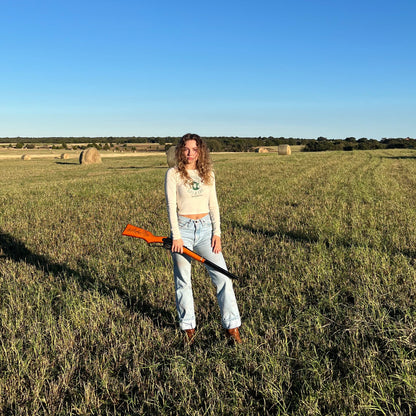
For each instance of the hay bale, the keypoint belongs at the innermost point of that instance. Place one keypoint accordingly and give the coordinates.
(170, 155)
(262, 150)
(89, 156)
(284, 149)
(64, 156)
(26, 157)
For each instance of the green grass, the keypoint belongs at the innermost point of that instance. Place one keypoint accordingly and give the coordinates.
(325, 247)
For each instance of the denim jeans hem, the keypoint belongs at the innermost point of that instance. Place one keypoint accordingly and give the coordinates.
(184, 326)
(233, 323)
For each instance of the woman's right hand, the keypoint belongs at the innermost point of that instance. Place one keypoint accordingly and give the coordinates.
(177, 246)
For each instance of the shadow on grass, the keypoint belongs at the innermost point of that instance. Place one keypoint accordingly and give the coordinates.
(399, 157)
(292, 235)
(310, 238)
(67, 163)
(14, 249)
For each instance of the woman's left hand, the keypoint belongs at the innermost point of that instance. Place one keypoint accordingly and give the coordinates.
(216, 244)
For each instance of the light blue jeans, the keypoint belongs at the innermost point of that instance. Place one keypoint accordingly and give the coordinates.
(196, 236)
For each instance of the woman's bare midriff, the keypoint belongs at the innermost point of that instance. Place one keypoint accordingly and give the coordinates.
(195, 216)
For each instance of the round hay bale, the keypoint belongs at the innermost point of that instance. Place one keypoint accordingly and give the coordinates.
(26, 157)
(64, 156)
(170, 155)
(284, 149)
(262, 150)
(89, 156)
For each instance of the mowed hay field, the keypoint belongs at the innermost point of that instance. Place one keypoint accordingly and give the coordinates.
(325, 248)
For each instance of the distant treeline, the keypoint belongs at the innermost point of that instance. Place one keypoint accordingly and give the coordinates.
(231, 144)
(351, 143)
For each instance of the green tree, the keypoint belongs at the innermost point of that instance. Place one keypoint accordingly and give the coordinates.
(214, 145)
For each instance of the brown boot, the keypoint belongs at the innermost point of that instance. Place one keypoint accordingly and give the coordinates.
(190, 336)
(233, 335)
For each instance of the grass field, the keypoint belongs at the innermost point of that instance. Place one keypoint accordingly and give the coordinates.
(325, 247)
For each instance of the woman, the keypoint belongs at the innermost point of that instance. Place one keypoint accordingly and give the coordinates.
(195, 223)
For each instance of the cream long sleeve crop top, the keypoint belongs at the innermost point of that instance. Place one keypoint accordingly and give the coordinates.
(185, 199)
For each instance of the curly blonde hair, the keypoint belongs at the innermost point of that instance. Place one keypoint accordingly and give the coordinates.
(203, 163)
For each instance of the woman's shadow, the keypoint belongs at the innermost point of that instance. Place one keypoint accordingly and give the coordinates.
(15, 250)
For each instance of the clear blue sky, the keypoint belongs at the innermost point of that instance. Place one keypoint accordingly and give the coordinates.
(230, 68)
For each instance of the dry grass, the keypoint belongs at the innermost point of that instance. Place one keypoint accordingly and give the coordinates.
(323, 243)
(7, 154)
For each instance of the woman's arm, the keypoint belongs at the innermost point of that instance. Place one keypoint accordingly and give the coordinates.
(214, 211)
(170, 194)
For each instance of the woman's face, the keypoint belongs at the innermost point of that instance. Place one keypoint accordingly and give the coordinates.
(191, 152)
